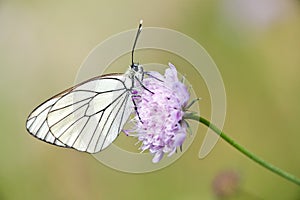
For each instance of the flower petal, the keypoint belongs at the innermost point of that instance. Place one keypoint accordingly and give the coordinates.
(171, 74)
(158, 156)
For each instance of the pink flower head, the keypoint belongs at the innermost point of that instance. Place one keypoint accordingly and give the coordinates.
(158, 123)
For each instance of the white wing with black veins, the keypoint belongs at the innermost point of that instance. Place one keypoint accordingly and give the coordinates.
(87, 117)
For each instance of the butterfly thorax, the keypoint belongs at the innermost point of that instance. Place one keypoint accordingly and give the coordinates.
(134, 76)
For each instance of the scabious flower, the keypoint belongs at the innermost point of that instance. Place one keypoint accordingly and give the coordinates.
(159, 123)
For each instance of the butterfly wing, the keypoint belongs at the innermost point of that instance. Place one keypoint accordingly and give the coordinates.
(37, 123)
(87, 117)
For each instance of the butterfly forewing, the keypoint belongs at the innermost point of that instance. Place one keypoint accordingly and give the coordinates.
(87, 117)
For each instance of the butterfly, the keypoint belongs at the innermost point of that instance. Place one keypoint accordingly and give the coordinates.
(89, 116)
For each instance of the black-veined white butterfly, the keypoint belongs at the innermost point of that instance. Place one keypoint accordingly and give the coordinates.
(89, 116)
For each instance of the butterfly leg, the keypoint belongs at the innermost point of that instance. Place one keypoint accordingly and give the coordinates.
(143, 86)
(135, 106)
(150, 75)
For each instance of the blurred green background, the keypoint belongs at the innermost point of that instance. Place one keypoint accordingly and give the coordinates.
(255, 44)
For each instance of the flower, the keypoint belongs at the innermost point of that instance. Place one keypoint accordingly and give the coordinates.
(159, 123)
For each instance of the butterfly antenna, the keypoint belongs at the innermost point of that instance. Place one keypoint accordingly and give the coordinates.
(136, 37)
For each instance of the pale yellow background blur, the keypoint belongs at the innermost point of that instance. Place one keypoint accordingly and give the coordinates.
(255, 44)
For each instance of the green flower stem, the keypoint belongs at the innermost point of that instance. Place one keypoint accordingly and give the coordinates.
(244, 151)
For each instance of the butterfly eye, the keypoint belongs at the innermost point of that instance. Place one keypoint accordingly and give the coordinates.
(135, 67)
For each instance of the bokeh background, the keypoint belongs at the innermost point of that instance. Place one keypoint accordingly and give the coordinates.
(255, 44)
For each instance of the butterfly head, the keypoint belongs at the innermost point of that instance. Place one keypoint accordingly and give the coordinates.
(137, 68)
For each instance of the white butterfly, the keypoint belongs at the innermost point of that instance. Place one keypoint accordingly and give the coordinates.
(89, 116)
